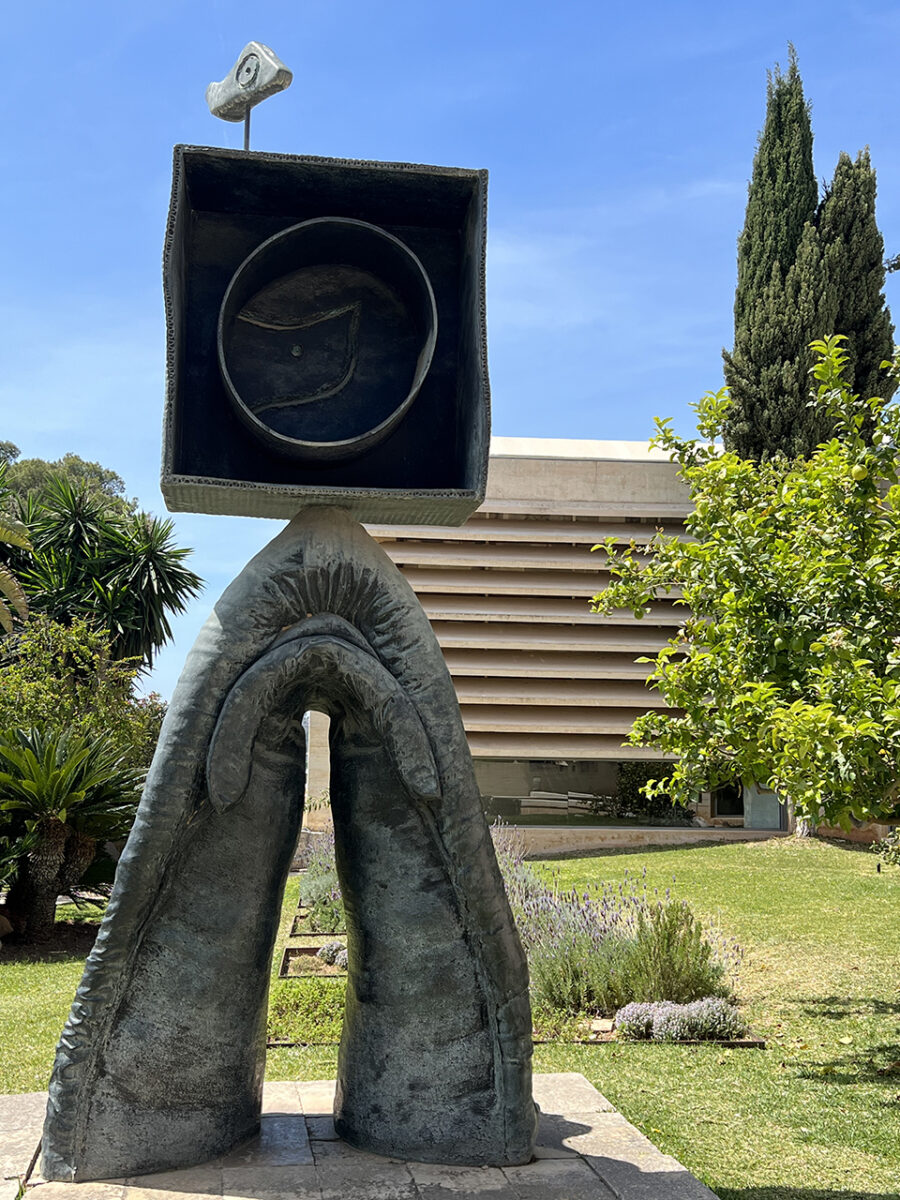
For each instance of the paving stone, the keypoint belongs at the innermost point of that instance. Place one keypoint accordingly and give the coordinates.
(281, 1096)
(602, 1025)
(326, 1151)
(321, 1129)
(190, 1183)
(553, 1129)
(567, 1092)
(586, 1151)
(317, 1098)
(606, 1133)
(106, 1190)
(460, 1183)
(21, 1122)
(269, 1183)
(554, 1152)
(661, 1178)
(24, 1108)
(364, 1178)
(16, 1149)
(558, 1179)
(629, 1162)
(282, 1141)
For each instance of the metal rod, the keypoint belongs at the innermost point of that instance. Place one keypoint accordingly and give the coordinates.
(247, 129)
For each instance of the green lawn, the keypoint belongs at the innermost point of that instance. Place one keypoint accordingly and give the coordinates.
(815, 1116)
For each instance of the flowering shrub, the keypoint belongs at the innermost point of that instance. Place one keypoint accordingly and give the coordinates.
(329, 951)
(599, 950)
(341, 959)
(320, 890)
(590, 952)
(708, 1019)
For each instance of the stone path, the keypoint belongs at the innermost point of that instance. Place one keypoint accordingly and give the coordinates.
(587, 1151)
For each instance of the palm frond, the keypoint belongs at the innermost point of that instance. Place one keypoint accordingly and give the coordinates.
(13, 532)
(12, 590)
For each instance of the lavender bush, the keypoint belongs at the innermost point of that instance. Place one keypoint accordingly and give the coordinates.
(329, 951)
(320, 890)
(601, 949)
(710, 1018)
(595, 951)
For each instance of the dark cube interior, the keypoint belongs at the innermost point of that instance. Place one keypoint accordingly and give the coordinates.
(432, 467)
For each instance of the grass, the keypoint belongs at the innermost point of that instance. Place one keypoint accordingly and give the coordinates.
(36, 990)
(815, 1116)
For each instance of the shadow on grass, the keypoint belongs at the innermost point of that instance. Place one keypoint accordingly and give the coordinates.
(836, 1008)
(610, 851)
(71, 940)
(869, 1064)
(619, 851)
(864, 1063)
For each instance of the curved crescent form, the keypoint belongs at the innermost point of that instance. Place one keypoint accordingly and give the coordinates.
(161, 1061)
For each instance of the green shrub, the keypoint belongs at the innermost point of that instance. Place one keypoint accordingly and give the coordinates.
(708, 1019)
(670, 958)
(320, 889)
(597, 951)
(888, 849)
(306, 1010)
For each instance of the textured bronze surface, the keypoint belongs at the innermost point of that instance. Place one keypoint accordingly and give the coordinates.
(393, 432)
(325, 336)
(161, 1062)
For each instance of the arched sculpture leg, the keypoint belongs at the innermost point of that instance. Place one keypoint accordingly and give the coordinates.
(161, 1061)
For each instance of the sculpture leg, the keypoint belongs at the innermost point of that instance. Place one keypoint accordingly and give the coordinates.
(418, 1061)
(160, 1063)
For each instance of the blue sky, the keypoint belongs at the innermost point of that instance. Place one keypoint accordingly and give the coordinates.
(619, 139)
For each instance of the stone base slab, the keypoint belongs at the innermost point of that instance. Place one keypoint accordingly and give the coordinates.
(586, 1151)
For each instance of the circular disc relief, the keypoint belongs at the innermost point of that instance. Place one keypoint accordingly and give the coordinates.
(325, 336)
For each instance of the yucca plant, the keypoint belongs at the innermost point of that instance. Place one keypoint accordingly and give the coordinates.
(67, 794)
(123, 573)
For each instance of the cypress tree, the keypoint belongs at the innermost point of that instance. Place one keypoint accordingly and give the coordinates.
(782, 195)
(853, 274)
(805, 270)
(766, 371)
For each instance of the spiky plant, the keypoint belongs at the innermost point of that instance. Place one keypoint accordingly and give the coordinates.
(68, 794)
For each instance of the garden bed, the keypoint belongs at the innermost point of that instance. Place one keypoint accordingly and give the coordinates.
(303, 960)
(301, 927)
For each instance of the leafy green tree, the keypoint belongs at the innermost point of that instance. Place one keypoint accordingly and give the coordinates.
(30, 477)
(120, 571)
(803, 266)
(67, 792)
(65, 676)
(786, 669)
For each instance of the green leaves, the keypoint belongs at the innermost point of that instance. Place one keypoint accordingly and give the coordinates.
(12, 533)
(119, 570)
(58, 776)
(804, 265)
(787, 670)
